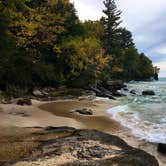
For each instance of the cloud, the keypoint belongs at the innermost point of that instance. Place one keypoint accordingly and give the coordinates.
(162, 50)
(138, 13)
(89, 9)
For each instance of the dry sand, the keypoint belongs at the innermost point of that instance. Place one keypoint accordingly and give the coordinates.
(58, 113)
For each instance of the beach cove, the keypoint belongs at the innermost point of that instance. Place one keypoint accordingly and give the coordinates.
(21, 122)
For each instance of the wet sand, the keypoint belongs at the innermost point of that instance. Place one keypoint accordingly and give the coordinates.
(100, 120)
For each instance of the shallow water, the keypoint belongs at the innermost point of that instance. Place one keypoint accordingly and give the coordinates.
(145, 116)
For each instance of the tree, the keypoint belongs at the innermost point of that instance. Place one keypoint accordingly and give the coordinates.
(93, 29)
(124, 38)
(7, 47)
(131, 63)
(72, 23)
(145, 66)
(111, 21)
(84, 61)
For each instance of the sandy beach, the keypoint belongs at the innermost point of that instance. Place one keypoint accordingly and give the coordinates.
(58, 113)
(17, 123)
(20, 122)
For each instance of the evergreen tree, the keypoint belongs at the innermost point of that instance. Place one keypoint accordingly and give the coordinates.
(111, 21)
(124, 38)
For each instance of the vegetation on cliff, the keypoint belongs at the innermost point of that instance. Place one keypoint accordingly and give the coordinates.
(43, 43)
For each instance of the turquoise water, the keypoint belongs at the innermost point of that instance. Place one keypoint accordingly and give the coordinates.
(145, 116)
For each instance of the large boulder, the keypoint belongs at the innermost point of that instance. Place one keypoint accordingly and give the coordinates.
(94, 148)
(148, 93)
(102, 92)
(71, 147)
(115, 85)
(162, 148)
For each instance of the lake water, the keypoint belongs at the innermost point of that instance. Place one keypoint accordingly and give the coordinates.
(145, 116)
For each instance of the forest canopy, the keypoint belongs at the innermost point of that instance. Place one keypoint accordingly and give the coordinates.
(43, 43)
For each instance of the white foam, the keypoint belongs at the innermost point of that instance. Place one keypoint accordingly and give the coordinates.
(143, 129)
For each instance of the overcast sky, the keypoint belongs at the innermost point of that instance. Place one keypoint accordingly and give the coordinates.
(144, 18)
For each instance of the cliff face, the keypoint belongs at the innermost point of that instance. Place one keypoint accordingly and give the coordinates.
(87, 147)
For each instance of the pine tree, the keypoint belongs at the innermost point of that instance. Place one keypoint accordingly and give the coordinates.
(111, 22)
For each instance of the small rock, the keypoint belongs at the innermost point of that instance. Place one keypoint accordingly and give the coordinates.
(37, 93)
(133, 92)
(90, 97)
(148, 93)
(6, 101)
(118, 94)
(162, 148)
(125, 89)
(84, 111)
(24, 102)
(22, 114)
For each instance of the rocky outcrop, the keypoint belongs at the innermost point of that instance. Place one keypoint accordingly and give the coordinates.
(86, 148)
(118, 94)
(91, 147)
(148, 93)
(109, 89)
(102, 93)
(114, 85)
(162, 148)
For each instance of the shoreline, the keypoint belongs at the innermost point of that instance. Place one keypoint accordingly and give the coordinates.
(60, 113)
(100, 122)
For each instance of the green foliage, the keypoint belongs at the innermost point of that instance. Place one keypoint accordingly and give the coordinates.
(131, 63)
(43, 43)
(146, 67)
(6, 47)
(93, 29)
(124, 38)
(84, 60)
(111, 22)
